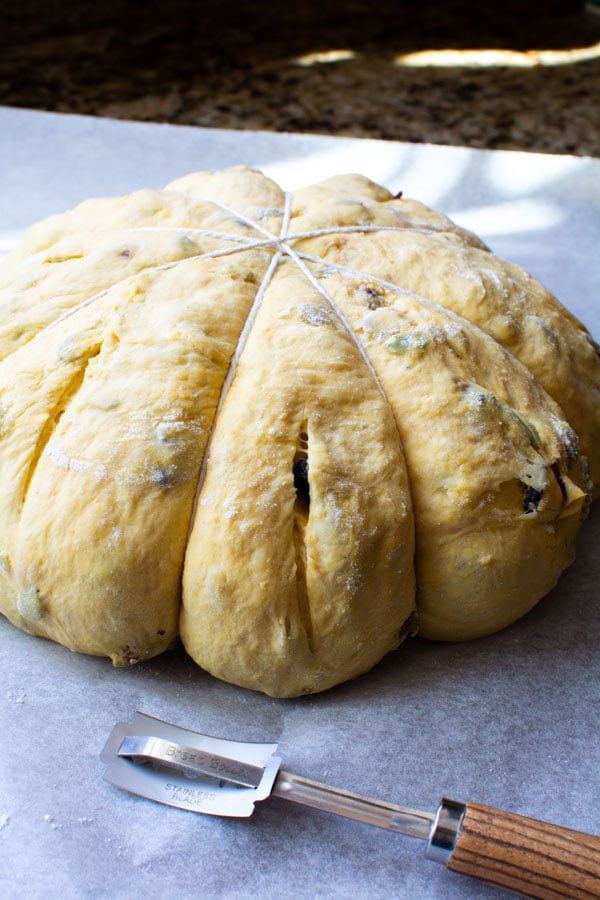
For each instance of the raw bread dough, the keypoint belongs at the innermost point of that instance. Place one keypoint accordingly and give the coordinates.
(254, 420)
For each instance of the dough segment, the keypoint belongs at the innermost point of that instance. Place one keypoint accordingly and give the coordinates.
(244, 615)
(99, 536)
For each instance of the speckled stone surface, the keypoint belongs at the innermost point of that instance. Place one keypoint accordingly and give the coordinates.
(326, 68)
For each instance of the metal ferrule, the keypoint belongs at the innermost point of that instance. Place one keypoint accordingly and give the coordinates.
(445, 830)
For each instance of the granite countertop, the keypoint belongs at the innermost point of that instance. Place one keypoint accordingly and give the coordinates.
(409, 73)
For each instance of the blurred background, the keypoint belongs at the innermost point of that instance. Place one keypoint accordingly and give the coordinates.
(508, 75)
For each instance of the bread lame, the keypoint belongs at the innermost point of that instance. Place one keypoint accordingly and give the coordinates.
(215, 776)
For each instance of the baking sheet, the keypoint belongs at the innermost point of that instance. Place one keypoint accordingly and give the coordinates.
(510, 720)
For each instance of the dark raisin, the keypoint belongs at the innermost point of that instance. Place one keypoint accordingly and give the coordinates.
(301, 480)
(531, 498)
(374, 297)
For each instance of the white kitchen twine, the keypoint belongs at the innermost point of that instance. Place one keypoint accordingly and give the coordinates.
(282, 248)
(280, 243)
(242, 339)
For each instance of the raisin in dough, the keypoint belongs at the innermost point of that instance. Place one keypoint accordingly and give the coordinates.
(279, 451)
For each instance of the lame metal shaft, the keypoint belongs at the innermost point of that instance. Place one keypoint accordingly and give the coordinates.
(352, 806)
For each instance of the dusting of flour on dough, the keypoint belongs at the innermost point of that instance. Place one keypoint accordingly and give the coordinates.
(231, 509)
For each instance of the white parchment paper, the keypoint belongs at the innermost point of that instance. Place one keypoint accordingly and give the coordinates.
(511, 720)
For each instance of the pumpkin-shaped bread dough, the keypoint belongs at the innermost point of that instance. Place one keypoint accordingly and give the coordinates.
(290, 429)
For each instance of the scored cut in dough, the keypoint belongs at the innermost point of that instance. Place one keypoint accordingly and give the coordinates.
(276, 425)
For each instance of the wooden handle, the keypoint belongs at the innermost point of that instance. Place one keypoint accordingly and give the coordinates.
(525, 855)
